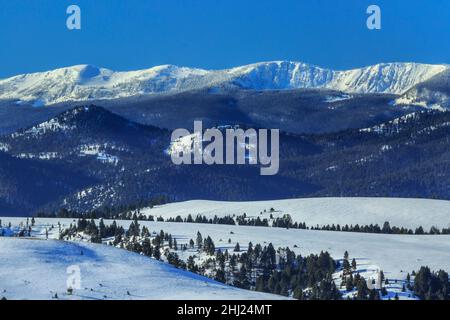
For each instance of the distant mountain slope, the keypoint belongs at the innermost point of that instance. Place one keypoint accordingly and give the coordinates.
(101, 159)
(128, 163)
(83, 131)
(86, 82)
(106, 273)
(15, 117)
(433, 93)
(297, 111)
(28, 183)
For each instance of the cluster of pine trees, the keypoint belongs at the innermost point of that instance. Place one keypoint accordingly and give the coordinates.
(353, 281)
(430, 285)
(259, 268)
(268, 270)
(90, 228)
(307, 278)
(228, 220)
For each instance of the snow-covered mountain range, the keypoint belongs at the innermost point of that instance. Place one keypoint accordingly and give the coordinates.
(87, 82)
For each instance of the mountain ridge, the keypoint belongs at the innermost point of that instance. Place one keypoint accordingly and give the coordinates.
(87, 82)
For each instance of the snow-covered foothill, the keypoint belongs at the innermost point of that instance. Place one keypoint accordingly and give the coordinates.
(42, 269)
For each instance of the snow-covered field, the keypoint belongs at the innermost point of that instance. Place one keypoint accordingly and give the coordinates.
(112, 272)
(395, 255)
(37, 269)
(409, 213)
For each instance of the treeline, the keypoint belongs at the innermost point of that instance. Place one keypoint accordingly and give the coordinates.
(287, 222)
(385, 229)
(228, 220)
(284, 221)
(120, 212)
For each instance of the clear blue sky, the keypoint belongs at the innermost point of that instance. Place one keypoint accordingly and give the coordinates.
(134, 34)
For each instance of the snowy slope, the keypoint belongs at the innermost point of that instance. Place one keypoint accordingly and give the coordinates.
(36, 269)
(433, 93)
(409, 213)
(380, 78)
(86, 82)
(396, 255)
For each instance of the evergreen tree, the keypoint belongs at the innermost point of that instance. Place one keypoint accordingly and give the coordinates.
(220, 276)
(349, 283)
(260, 285)
(354, 264)
(102, 228)
(363, 291)
(156, 252)
(386, 227)
(199, 240)
(345, 255)
(346, 266)
(374, 295)
(191, 266)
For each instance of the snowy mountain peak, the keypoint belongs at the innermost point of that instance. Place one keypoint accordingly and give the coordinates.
(88, 82)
